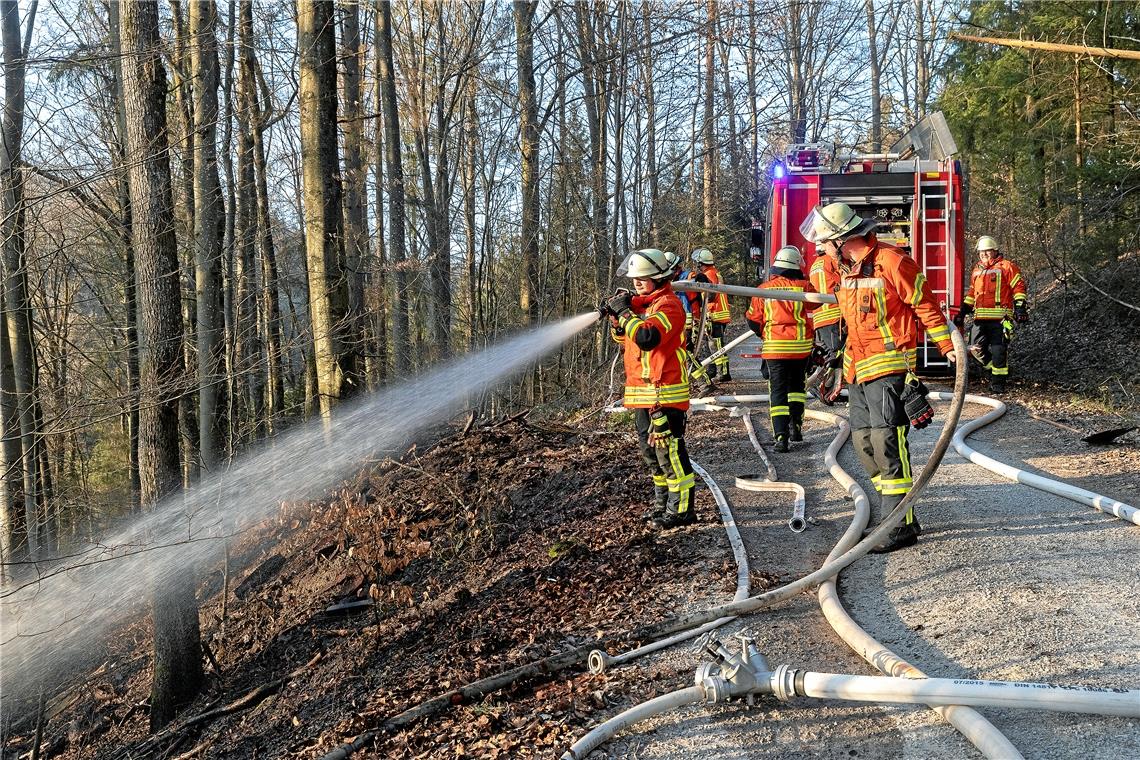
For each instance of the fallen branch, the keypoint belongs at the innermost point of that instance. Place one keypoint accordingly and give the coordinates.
(251, 698)
(475, 690)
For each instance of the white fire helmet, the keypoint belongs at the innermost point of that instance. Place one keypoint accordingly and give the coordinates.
(646, 262)
(835, 221)
(788, 257)
(674, 261)
(703, 256)
(987, 243)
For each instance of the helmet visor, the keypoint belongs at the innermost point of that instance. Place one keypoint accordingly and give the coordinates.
(817, 228)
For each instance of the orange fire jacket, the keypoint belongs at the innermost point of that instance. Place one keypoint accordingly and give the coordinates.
(824, 278)
(783, 325)
(994, 291)
(882, 298)
(658, 376)
(718, 304)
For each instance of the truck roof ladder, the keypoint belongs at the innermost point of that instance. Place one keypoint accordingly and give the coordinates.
(939, 249)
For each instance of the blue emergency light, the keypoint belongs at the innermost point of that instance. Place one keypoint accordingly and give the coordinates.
(778, 170)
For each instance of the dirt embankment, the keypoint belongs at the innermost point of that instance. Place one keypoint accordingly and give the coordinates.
(491, 549)
(1080, 341)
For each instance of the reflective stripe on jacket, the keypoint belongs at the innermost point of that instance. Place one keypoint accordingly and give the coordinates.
(659, 376)
(995, 290)
(881, 299)
(718, 302)
(783, 325)
(824, 277)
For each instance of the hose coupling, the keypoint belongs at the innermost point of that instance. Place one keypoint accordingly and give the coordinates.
(716, 690)
(784, 682)
(705, 670)
(598, 661)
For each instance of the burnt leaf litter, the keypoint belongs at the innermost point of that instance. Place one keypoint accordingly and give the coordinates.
(487, 550)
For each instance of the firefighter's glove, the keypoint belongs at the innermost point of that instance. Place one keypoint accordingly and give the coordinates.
(619, 304)
(914, 401)
(1020, 312)
(960, 318)
(659, 433)
(1007, 329)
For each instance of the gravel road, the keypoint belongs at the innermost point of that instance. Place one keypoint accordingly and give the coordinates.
(1007, 583)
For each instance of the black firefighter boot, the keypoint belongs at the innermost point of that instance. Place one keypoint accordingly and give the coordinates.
(903, 536)
(670, 519)
(660, 498)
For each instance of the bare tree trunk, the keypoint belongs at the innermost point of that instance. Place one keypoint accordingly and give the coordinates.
(380, 281)
(10, 518)
(355, 218)
(397, 236)
(208, 230)
(334, 347)
(470, 144)
(921, 60)
(876, 78)
(177, 648)
(269, 302)
(753, 107)
(228, 236)
(251, 365)
(122, 189)
(650, 121)
(528, 153)
(709, 162)
(593, 82)
(18, 308)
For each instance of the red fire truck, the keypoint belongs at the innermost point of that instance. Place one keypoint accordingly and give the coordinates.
(913, 191)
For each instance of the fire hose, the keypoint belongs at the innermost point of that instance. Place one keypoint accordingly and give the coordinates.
(1049, 485)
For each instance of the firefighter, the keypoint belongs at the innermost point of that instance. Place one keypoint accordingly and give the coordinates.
(997, 299)
(786, 331)
(882, 293)
(699, 374)
(718, 313)
(828, 325)
(650, 325)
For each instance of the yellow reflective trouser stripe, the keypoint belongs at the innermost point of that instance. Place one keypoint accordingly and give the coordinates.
(895, 486)
(780, 411)
(800, 397)
(683, 483)
(1000, 370)
(875, 482)
(660, 480)
(787, 345)
(939, 334)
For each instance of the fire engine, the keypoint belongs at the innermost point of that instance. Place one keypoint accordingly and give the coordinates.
(913, 191)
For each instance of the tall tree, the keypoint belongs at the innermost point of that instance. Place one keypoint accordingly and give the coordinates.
(17, 307)
(208, 230)
(528, 153)
(378, 273)
(708, 126)
(334, 347)
(177, 674)
(251, 368)
(355, 218)
(397, 220)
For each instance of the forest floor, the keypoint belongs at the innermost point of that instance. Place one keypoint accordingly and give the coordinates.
(499, 545)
